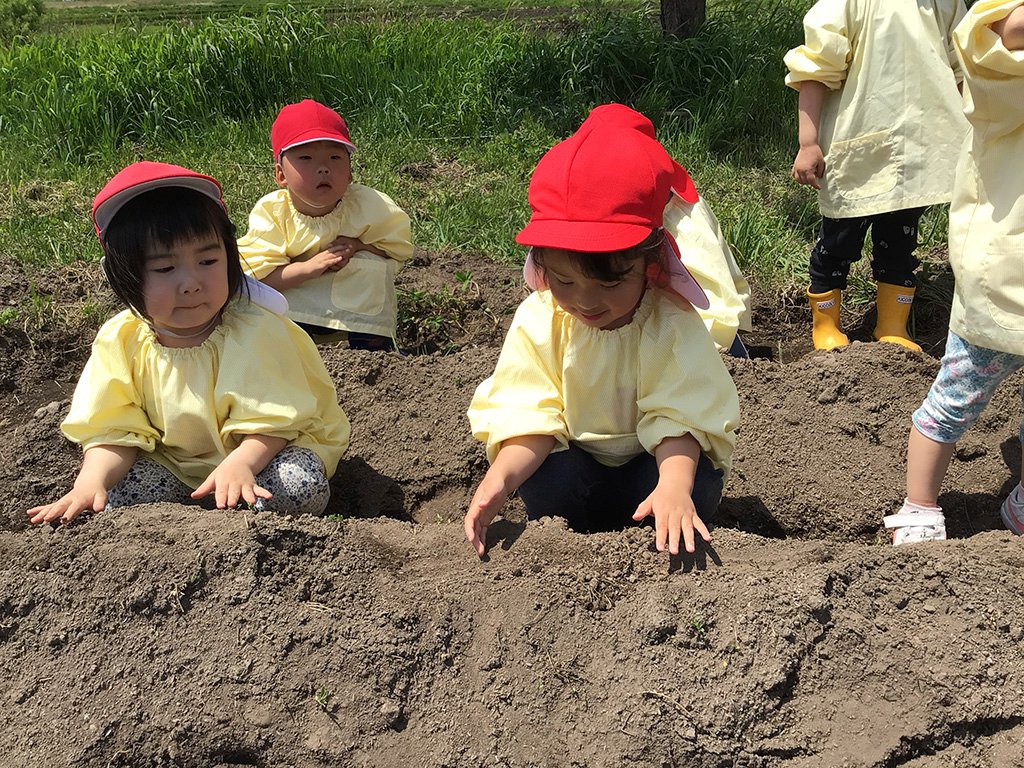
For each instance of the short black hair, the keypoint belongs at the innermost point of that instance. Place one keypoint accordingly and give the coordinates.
(613, 265)
(163, 217)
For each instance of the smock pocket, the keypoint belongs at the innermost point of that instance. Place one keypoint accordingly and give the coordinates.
(863, 167)
(362, 286)
(1002, 280)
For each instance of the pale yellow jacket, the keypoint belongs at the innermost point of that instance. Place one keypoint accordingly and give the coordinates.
(892, 122)
(358, 297)
(615, 393)
(986, 217)
(257, 373)
(709, 259)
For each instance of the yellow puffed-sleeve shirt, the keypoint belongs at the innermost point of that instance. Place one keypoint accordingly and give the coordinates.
(616, 393)
(358, 297)
(986, 217)
(257, 373)
(892, 123)
(709, 259)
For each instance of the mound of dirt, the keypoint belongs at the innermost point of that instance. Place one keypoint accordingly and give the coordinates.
(173, 636)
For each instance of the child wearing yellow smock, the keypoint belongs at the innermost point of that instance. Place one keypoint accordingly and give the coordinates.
(986, 250)
(195, 389)
(609, 402)
(331, 246)
(881, 124)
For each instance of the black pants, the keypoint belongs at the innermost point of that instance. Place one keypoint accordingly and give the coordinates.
(356, 340)
(592, 497)
(841, 241)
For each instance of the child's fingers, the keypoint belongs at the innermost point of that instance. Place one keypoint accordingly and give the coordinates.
(38, 514)
(661, 532)
(675, 527)
(204, 489)
(643, 510)
(687, 538)
(476, 534)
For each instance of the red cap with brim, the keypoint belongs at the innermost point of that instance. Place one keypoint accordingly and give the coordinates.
(605, 189)
(142, 177)
(306, 122)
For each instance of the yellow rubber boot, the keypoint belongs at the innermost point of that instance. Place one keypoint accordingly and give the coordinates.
(825, 314)
(893, 304)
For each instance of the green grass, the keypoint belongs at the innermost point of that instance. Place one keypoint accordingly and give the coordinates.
(90, 15)
(450, 114)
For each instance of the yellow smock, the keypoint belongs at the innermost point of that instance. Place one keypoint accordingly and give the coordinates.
(707, 256)
(257, 373)
(986, 217)
(892, 122)
(358, 297)
(614, 393)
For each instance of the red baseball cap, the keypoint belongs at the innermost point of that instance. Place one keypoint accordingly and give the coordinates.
(146, 176)
(143, 177)
(605, 189)
(305, 122)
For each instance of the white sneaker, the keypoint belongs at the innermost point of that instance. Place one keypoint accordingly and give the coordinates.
(914, 523)
(1012, 511)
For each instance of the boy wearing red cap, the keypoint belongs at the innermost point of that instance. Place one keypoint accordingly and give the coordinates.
(199, 386)
(333, 247)
(609, 402)
(880, 126)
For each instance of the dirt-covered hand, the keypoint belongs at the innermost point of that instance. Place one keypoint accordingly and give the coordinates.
(231, 482)
(674, 515)
(809, 166)
(70, 505)
(488, 500)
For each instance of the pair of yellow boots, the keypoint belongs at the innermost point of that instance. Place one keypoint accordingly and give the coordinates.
(893, 304)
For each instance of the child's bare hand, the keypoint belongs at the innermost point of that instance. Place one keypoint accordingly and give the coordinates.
(69, 506)
(332, 259)
(674, 516)
(352, 244)
(809, 166)
(231, 482)
(488, 500)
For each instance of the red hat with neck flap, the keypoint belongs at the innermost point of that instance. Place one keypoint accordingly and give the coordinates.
(605, 189)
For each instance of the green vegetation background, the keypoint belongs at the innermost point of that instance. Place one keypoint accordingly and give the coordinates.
(450, 105)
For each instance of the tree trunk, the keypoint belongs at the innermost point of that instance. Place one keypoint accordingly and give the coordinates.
(682, 18)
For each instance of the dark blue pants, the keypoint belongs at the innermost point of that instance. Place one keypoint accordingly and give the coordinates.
(592, 497)
(841, 242)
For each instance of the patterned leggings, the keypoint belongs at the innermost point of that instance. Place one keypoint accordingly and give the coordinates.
(296, 477)
(967, 379)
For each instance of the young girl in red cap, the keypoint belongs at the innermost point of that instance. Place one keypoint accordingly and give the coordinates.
(198, 387)
(609, 402)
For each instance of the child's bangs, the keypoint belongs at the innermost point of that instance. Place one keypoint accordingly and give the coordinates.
(188, 217)
(606, 267)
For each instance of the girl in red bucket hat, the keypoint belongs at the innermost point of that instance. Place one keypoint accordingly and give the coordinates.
(609, 402)
(194, 389)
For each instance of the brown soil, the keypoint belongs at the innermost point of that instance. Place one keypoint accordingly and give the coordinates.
(172, 636)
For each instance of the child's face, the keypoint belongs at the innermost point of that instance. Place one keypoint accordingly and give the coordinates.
(185, 286)
(597, 303)
(317, 175)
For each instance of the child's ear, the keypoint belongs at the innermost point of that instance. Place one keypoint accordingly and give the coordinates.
(279, 175)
